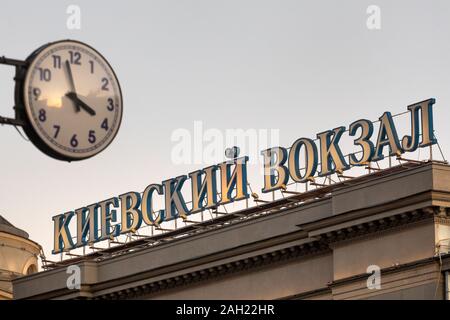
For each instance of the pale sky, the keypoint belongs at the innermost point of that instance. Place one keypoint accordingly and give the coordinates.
(298, 66)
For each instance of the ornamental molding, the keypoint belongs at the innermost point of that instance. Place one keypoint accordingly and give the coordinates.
(220, 271)
(377, 227)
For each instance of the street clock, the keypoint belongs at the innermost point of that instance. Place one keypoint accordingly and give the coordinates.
(68, 100)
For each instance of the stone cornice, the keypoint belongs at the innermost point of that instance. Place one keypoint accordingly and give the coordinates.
(222, 270)
(376, 226)
(309, 294)
(398, 205)
(385, 271)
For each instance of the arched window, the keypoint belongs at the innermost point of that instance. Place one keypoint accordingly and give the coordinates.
(32, 269)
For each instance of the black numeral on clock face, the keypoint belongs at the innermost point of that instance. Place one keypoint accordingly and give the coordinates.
(74, 141)
(92, 65)
(36, 93)
(57, 128)
(110, 106)
(45, 74)
(56, 61)
(105, 124)
(92, 138)
(42, 115)
(75, 57)
(105, 84)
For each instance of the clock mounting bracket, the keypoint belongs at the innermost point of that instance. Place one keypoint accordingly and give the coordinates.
(21, 67)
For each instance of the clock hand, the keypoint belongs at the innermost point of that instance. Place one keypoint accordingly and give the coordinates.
(71, 83)
(87, 108)
(73, 96)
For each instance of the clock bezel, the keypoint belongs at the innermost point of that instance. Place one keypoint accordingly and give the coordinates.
(23, 111)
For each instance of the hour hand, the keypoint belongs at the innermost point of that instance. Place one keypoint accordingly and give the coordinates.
(73, 96)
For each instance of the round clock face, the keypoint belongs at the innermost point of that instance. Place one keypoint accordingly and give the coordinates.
(72, 100)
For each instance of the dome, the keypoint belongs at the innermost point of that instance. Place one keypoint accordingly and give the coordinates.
(7, 227)
(18, 256)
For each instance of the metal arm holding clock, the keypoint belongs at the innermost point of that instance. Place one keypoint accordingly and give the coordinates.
(20, 67)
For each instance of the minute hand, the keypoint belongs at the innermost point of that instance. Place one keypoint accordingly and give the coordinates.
(71, 83)
(73, 96)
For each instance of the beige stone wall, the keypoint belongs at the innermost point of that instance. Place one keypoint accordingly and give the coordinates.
(272, 282)
(18, 257)
(386, 249)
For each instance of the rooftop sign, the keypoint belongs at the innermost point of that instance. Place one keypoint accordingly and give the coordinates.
(128, 212)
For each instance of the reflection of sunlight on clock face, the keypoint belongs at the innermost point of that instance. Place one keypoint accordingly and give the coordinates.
(54, 102)
(54, 97)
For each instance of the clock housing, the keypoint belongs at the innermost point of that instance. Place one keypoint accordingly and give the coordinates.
(69, 99)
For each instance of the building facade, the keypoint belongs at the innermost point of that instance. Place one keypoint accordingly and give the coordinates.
(327, 243)
(18, 256)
